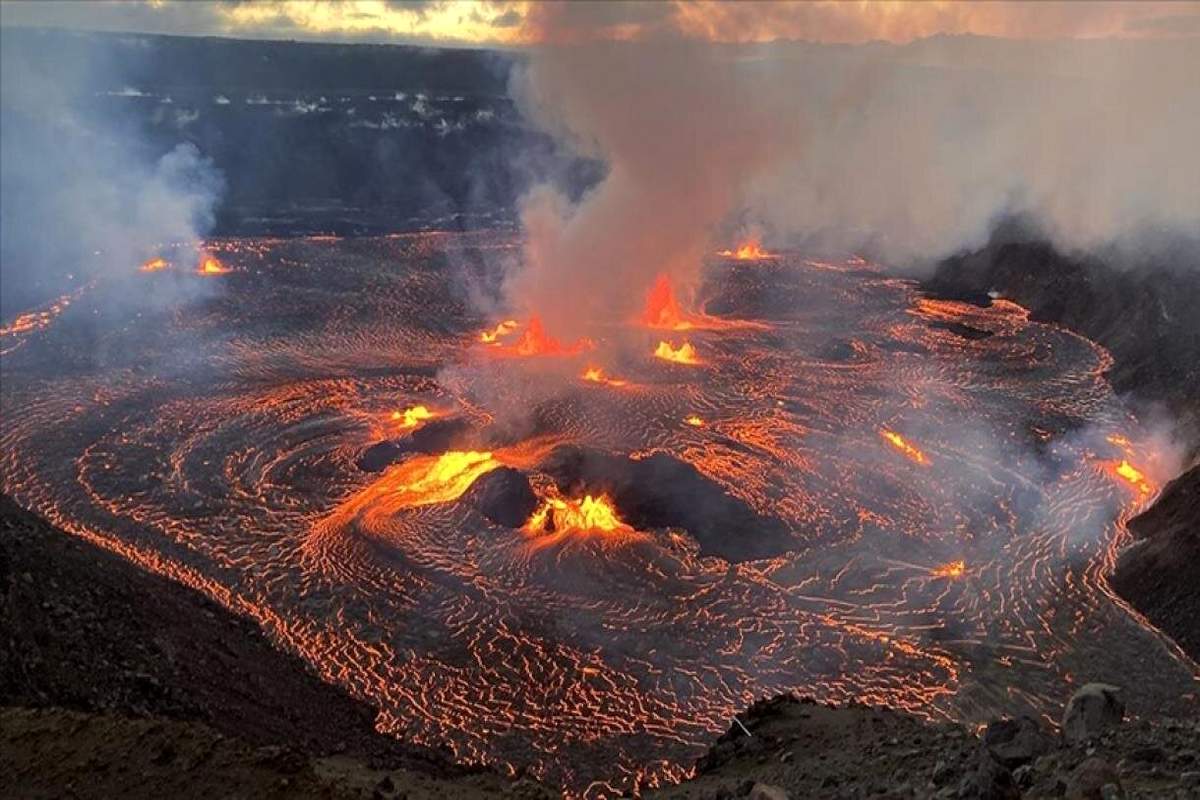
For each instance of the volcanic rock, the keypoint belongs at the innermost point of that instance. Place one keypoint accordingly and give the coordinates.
(987, 779)
(504, 496)
(1160, 573)
(1145, 317)
(379, 457)
(1090, 778)
(664, 492)
(765, 791)
(1094, 708)
(1014, 742)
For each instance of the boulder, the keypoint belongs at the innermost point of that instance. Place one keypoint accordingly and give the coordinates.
(1088, 780)
(987, 779)
(504, 496)
(1093, 709)
(1014, 742)
(765, 791)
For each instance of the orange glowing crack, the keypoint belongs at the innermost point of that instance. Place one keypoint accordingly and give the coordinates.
(154, 265)
(694, 421)
(910, 452)
(684, 354)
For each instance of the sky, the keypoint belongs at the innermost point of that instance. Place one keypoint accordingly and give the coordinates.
(501, 23)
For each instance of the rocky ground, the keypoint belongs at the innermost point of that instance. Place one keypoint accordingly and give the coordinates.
(1160, 574)
(799, 749)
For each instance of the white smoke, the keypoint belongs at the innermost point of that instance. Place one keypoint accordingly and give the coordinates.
(908, 153)
(84, 194)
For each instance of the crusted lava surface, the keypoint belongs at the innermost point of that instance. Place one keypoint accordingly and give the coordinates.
(843, 495)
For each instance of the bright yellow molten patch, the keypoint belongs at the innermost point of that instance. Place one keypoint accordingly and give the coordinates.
(560, 515)
(411, 417)
(910, 451)
(437, 479)
(684, 354)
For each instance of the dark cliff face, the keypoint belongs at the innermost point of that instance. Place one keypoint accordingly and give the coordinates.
(1147, 316)
(1160, 575)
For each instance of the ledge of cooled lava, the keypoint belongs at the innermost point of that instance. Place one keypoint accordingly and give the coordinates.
(1145, 315)
(800, 749)
(1160, 574)
(115, 682)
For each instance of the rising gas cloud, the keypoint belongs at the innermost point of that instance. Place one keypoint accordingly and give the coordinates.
(83, 192)
(906, 153)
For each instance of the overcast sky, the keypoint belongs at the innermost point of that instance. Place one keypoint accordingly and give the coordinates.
(519, 22)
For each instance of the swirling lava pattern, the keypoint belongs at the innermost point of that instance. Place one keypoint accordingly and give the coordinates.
(216, 442)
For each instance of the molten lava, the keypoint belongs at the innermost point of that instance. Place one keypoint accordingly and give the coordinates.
(211, 266)
(411, 417)
(596, 375)
(438, 479)
(897, 441)
(951, 569)
(684, 354)
(535, 341)
(501, 330)
(750, 251)
(154, 265)
(694, 421)
(590, 514)
(1132, 475)
(662, 310)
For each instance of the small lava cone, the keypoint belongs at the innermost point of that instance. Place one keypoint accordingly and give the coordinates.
(504, 496)
(664, 492)
(432, 438)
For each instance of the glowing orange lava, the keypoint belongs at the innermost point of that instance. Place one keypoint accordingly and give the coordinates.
(535, 341)
(154, 265)
(662, 310)
(438, 479)
(897, 441)
(211, 266)
(590, 514)
(411, 417)
(501, 330)
(596, 375)
(1132, 475)
(694, 421)
(750, 251)
(684, 354)
(951, 569)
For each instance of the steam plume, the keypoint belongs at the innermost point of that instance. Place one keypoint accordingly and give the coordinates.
(83, 195)
(906, 152)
